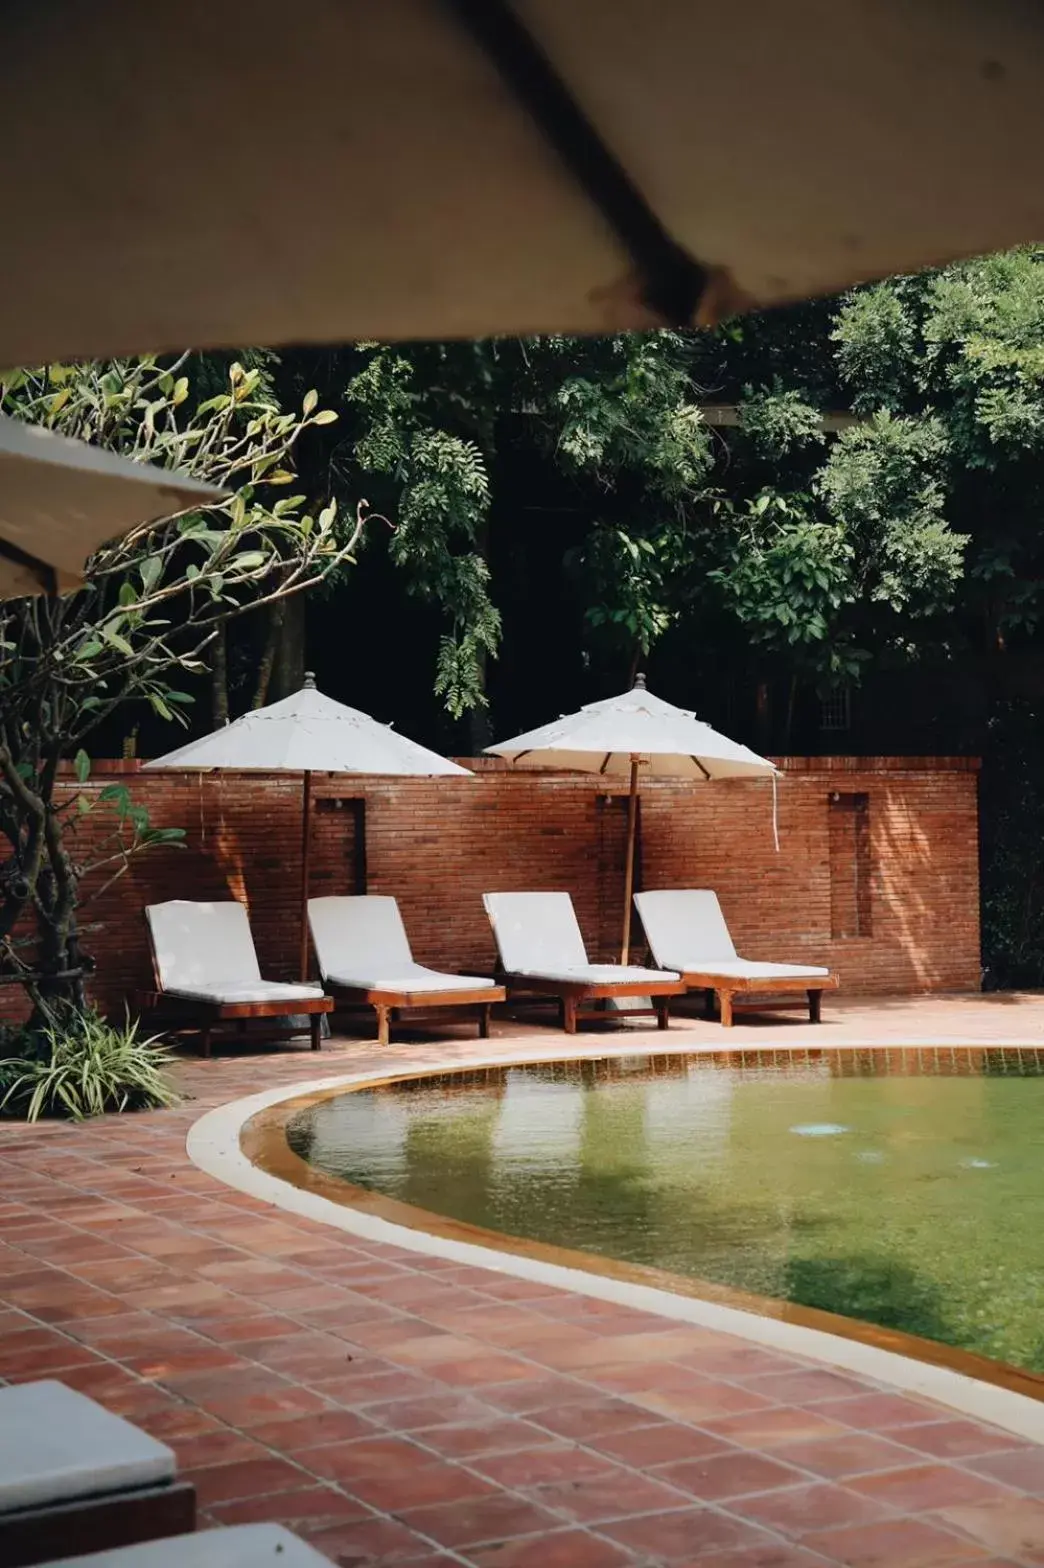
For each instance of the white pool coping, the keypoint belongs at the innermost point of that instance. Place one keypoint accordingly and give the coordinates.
(213, 1144)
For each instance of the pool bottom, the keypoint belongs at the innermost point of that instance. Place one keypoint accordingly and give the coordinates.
(264, 1143)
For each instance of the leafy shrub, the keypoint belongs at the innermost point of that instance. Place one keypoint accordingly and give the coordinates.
(83, 1067)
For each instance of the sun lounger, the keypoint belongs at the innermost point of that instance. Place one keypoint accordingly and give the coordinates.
(686, 931)
(237, 1546)
(364, 956)
(541, 949)
(206, 970)
(75, 1476)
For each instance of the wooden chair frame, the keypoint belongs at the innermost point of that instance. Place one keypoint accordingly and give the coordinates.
(572, 994)
(726, 989)
(386, 1004)
(96, 1524)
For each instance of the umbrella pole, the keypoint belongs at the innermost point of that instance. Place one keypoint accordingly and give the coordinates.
(306, 848)
(632, 826)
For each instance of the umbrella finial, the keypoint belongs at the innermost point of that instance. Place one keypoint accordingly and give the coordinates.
(639, 682)
(308, 684)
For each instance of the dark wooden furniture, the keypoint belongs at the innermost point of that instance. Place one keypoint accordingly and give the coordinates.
(96, 1524)
(572, 995)
(204, 1018)
(387, 1004)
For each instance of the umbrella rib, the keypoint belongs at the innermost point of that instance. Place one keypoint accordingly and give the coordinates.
(702, 769)
(673, 282)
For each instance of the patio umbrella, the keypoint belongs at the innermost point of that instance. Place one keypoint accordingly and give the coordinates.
(471, 167)
(309, 733)
(61, 499)
(626, 735)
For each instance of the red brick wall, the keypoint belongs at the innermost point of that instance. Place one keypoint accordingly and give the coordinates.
(437, 845)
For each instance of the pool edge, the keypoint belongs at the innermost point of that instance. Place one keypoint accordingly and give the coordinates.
(243, 1144)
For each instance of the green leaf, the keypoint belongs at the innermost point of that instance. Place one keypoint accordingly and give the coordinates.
(115, 640)
(128, 595)
(88, 649)
(160, 706)
(82, 766)
(181, 391)
(310, 402)
(325, 416)
(151, 568)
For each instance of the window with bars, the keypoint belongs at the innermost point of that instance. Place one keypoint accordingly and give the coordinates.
(835, 710)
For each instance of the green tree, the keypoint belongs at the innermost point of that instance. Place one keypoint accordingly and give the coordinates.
(152, 606)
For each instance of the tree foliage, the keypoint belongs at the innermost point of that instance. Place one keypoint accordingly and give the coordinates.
(152, 603)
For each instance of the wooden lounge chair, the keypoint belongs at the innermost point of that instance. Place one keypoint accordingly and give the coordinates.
(75, 1477)
(207, 973)
(541, 949)
(686, 931)
(236, 1546)
(364, 956)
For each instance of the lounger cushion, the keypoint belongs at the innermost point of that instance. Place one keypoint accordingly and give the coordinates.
(238, 1546)
(686, 930)
(202, 945)
(57, 1445)
(233, 994)
(538, 935)
(600, 974)
(361, 943)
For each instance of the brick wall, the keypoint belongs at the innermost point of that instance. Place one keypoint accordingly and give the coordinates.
(897, 874)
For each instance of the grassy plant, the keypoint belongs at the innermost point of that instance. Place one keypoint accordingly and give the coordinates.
(85, 1067)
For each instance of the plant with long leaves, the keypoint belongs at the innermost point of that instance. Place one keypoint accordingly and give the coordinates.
(86, 1067)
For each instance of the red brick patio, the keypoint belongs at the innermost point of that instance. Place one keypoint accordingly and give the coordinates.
(399, 1409)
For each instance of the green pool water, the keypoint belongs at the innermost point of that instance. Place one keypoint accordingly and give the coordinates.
(904, 1188)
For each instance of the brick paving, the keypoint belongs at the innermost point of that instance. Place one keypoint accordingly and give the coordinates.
(403, 1410)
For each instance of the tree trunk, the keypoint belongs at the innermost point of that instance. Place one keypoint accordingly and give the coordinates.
(288, 664)
(275, 617)
(219, 679)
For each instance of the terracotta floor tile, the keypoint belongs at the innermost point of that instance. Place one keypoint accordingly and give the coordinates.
(498, 1517)
(345, 1462)
(442, 1408)
(484, 1438)
(296, 1434)
(683, 1536)
(1013, 1527)
(547, 1463)
(775, 1554)
(957, 1439)
(367, 1542)
(852, 1453)
(317, 1507)
(247, 1478)
(1021, 1467)
(664, 1443)
(437, 1484)
(592, 1499)
(222, 1446)
(589, 1418)
(804, 1387)
(562, 1549)
(924, 1487)
(797, 1510)
(728, 1475)
(894, 1543)
(773, 1427)
(877, 1412)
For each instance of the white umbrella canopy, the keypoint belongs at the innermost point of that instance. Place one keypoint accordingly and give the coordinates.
(473, 167)
(309, 733)
(631, 734)
(60, 499)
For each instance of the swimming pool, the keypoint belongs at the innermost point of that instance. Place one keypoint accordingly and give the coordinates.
(904, 1188)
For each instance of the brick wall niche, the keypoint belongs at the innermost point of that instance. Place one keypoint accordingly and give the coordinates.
(877, 870)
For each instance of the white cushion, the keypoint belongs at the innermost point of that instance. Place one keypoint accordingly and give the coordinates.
(361, 943)
(686, 930)
(56, 1445)
(536, 933)
(231, 992)
(600, 974)
(407, 977)
(238, 1546)
(202, 945)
